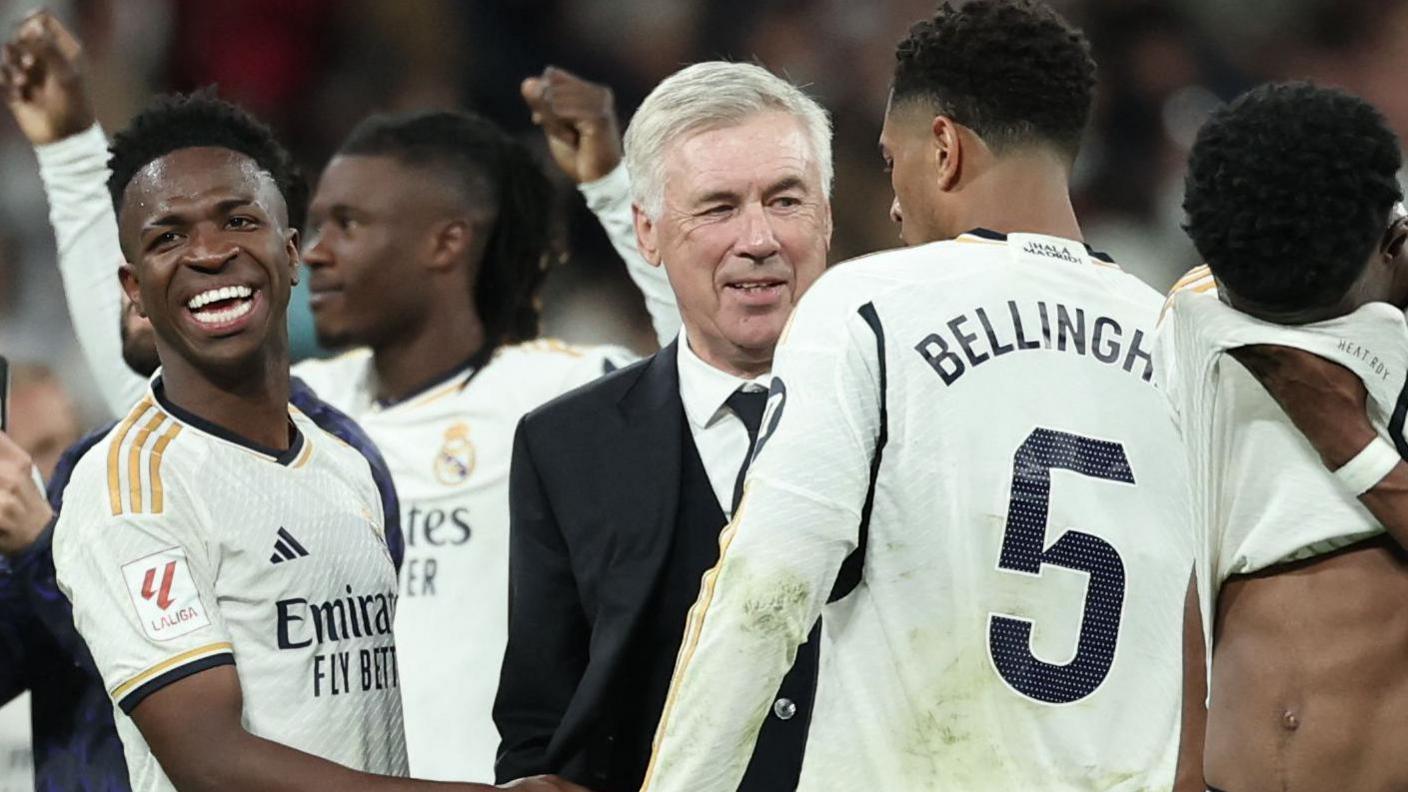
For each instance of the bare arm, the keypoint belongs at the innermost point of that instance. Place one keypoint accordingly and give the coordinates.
(1189, 777)
(1326, 402)
(213, 751)
(578, 117)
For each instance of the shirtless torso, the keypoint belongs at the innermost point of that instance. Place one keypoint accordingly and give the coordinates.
(1309, 687)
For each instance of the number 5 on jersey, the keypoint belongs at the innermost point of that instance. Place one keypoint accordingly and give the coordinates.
(1024, 551)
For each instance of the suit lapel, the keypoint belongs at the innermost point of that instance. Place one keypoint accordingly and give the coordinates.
(653, 417)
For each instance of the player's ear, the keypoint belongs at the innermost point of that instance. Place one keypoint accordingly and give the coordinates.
(1396, 239)
(294, 251)
(131, 286)
(948, 152)
(450, 244)
(647, 234)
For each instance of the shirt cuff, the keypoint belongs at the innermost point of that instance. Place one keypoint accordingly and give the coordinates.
(82, 150)
(609, 190)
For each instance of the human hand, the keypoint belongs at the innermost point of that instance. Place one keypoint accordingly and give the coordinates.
(579, 118)
(1325, 401)
(24, 512)
(41, 73)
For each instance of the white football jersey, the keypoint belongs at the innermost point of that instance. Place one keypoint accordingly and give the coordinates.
(448, 450)
(183, 547)
(977, 416)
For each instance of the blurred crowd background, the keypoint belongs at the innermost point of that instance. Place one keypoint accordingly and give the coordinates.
(313, 68)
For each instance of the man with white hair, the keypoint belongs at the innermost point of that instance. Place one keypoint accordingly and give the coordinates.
(620, 489)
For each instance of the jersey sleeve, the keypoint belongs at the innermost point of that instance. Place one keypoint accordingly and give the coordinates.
(142, 588)
(340, 425)
(609, 198)
(75, 173)
(800, 517)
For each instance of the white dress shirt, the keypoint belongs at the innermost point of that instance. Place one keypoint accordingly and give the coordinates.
(719, 434)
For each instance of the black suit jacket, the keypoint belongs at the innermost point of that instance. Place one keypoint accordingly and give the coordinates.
(594, 496)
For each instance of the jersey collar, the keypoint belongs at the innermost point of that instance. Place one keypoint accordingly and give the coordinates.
(998, 236)
(457, 378)
(295, 446)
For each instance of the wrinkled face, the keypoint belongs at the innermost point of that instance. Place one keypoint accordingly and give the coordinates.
(907, 145)
(744, 231)
(369, 226)
(210, 261)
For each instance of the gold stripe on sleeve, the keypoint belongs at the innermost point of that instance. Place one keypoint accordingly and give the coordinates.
(157, 450)
(134, 459)
(115, 455)
(168, 664)
(694, 625)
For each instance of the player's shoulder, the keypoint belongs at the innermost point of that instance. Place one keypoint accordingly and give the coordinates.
(140, 467)
(335, 377)
(1196, 281)
(322, 447)
(554, 352)
(547, 367)
(900, 268)
(846, 286)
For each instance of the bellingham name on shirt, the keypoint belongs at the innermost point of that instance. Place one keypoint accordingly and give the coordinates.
(983, 334)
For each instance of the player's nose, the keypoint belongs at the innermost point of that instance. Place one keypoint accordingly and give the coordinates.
(895, 213)
(209, 252)
(315, 251)
(758, 240)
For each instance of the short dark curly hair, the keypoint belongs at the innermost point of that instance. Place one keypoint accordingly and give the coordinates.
(496, 175)
(1288, 193)
(199, 119)
(1013, 71)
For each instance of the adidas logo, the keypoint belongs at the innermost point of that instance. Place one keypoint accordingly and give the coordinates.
(286, 548)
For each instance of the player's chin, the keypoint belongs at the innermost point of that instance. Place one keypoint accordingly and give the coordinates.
(332, 334)
(758, 330)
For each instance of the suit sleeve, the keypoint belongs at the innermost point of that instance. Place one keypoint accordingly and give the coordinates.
(548, 633)
(609, 198)
(75, 173)
(15, 622)
(799, 519)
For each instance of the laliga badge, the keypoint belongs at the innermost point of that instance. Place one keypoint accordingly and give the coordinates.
(167, 602)
(455, 461)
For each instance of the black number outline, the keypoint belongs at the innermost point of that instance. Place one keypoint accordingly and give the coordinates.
(1024, 551)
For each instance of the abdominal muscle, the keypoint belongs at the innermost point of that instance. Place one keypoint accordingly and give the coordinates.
(1309, 685)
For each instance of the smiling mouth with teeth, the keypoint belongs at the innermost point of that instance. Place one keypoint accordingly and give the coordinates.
(754, 286)
(221, 306)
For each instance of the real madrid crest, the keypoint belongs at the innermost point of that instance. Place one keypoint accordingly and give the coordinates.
(455, 461)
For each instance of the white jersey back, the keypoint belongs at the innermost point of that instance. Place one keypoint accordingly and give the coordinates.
(182, 548)
(448, 450)
(977, 416)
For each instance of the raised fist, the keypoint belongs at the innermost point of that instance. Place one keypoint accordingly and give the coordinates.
(579, 119)
(41, 72)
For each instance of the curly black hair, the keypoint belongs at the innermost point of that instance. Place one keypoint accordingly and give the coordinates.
(1013, 71)
(1288, 193)
(495, 175)
(199, 119)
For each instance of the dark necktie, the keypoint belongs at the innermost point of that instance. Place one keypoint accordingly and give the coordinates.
(748, 405)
